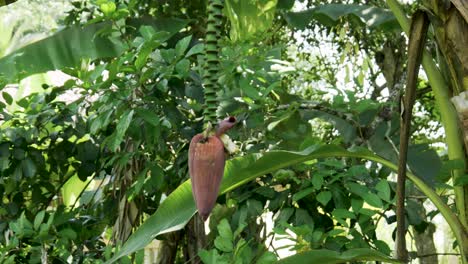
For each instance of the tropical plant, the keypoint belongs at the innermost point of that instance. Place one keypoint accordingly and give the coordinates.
(95, 169)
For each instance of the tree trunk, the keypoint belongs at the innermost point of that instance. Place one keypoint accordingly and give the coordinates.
(425, 245)
(195, 238)
(168, 251)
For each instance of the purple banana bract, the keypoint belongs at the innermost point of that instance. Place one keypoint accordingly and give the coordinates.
(206, 167)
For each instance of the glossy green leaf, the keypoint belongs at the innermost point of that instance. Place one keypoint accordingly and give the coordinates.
(331, 257)
(330, 14)
(177, 209)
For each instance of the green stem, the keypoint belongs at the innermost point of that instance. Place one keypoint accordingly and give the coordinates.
(211, 67)
(448, 115)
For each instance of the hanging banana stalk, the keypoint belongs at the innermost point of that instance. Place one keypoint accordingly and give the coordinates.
(417, 39)
(206, 151)
(211, 67)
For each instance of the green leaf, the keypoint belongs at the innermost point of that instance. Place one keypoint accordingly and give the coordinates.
(224, 229)
(343, 213)
(447, 169)
(330, 14)
(29, 168)
(209, 257)
(424, 162)
(108, 8)
(357, 189)
(149, 116)
(285, 214)
(19, 154)
(143, 56)
(285, 4)
(224, 244)
(122, 127)
(147, 32)
(38, 219)
(7, 97)
(383, 190)
(317, 181)
(66, 48)
(267, 258)
(461, 181)
(182, 67)
(373, 200)
(168, 25)
(68, 233)
(4, 150)
(177, 209)
(324, 197)
(302, 217)
(331, 257)
(303, 193)
(357, 205)
(197, 49)
(346, 129)
(182, 46)
(244, 14)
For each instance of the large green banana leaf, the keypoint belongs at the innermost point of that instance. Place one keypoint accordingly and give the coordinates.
(67, 48)
(329, 15)
(64, 49)
(177, 209)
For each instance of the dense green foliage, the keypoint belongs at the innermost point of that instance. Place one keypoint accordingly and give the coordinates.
(93, 170)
